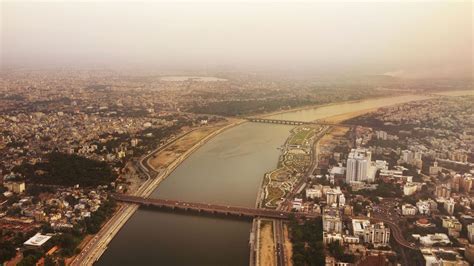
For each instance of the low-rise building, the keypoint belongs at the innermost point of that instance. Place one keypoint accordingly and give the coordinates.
(452, 224)
(37, 240)
(409, 189)
(408, 209)
(15, 186)
(329, 238)
(431, 239)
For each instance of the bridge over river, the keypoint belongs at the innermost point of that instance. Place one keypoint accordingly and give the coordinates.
(396, 232)
(293, 122)
(212, 208)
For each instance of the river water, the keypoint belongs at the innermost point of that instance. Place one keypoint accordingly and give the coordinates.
(226, 170)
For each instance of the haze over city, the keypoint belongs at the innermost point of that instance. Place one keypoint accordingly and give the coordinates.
(409, 39)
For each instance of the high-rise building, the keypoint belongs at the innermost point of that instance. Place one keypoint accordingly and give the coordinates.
(377, 234)
(435, 169)
(335, 196)
(449, 206)
(470, 233)
(443, 191)
(467, 183)
(407, 156)
(456, 182)
(358, 164)
(332, 221)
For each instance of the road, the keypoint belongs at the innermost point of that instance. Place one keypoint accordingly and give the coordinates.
(279, 237)
(213, 208)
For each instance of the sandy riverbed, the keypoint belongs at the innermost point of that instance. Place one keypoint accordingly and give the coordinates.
(456, 93)
(165, 157)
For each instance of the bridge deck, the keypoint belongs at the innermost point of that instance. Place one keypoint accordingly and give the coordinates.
(212, 208)
(292, 122)
(249, 212)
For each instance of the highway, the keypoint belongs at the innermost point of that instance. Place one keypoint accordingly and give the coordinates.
(279, 237)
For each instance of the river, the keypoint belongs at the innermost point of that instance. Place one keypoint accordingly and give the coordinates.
(226, 170)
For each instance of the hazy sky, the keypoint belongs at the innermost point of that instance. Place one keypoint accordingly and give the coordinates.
(410, 39)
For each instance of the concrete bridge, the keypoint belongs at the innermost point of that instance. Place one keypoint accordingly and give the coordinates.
(276, 121)
(293, 122)
(212, 208)
(396, 232)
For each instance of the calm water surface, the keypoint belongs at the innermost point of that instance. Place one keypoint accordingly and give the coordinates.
(227, 170)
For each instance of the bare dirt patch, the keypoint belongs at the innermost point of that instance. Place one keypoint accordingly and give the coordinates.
(267, 245)
(165, 157)
(288, 247)
(343, 117)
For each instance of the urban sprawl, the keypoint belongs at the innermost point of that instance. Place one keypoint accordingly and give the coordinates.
(390, 186)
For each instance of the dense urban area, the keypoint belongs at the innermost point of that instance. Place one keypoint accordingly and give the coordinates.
(394, 185)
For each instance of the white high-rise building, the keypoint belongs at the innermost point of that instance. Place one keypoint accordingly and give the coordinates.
(351, 170)
(377, 234)
(358, 164)
(335, 196)
(470, 232)
(332, 221)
